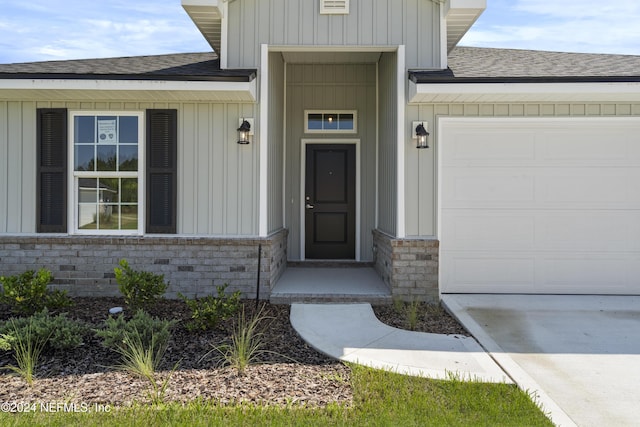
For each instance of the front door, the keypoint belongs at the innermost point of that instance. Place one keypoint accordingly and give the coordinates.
(330, 201)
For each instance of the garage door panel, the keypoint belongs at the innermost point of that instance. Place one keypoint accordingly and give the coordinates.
(540, 206)
(499, 147)
(524, 188)
(478, 231)
(583, 274)
(586, 231)
(596, 146)
(489, 274)
(539, 230)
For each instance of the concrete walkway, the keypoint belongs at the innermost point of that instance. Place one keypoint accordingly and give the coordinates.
(352, 333)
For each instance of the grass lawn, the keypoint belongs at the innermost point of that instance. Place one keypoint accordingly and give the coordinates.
(380, 399)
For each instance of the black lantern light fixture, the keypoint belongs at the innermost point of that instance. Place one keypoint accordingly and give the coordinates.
(244, 132)
(421, 135)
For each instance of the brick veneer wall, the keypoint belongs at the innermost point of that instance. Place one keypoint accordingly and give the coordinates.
(83, 265)
(408, 266)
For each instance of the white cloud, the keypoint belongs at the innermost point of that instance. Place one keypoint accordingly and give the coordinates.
(52, 29)
(570, 25)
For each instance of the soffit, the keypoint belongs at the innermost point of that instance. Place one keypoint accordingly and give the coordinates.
(127, 90)
(207, 15)
(460, 15)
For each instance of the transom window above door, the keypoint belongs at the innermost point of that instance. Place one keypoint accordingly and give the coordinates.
(330, 121)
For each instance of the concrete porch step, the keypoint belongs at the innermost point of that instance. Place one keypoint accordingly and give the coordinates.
(293, 298)
(330, 284)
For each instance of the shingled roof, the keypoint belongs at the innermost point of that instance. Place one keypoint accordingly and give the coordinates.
(474, 64)
(181, 66)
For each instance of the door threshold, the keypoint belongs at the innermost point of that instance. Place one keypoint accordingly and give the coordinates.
(329, 263)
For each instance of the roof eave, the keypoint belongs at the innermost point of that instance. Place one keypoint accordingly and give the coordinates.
(460, 15)
(525, 91)
(207, 15)
(127, 89)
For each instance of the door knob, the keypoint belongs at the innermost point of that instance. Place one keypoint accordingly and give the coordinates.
(309, 206)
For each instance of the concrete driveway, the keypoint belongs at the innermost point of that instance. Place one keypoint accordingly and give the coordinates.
(579, 354)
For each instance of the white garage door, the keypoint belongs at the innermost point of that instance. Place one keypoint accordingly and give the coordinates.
(539, 205)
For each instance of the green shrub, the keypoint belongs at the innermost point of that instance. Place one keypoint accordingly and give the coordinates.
(209, 311)
(139, 288)
(150, 331)
(58, 332)
(27, 293)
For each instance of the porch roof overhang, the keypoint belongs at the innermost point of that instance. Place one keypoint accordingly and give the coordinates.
(517, 89)
(459, 16)
(229, 87)
(207, 15)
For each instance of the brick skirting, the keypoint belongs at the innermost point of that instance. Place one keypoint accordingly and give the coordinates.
(408, 266)
(193, 266)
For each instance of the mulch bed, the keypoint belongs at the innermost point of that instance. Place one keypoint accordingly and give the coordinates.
(293, 373)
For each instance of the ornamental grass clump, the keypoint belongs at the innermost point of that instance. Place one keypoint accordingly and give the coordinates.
(27, 348)
(247, 345)
(143, 359)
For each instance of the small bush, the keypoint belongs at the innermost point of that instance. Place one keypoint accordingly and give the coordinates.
(58, 332)
(142, 327)
(209, 311)
(27, 293)
(139, 288)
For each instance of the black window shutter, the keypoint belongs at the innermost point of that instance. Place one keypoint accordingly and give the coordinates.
(162, 171)
(51, 184)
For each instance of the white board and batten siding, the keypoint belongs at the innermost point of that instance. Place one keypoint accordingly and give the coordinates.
(539, 205)
(413, 23)
(218, 178)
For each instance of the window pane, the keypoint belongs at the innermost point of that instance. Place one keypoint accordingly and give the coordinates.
(107, 130)
(87, 217)
(315, 122)
(84, 158)
(129, 193)
(108, 218)
(345, 122)
(128, 130)
(84, 130)
(128, 158)
(106, 158)
(108, 190)
(87, 190)
(331, 121)
(129, 217)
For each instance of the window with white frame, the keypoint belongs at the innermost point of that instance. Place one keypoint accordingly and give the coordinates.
(106, 154)
(330, 121)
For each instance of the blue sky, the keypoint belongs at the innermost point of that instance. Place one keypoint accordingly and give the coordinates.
(41, 30)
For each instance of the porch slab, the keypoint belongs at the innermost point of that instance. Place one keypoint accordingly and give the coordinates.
(330, 285)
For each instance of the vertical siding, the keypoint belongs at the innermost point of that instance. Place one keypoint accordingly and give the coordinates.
(421, 210)
(217, 182)
(340, 87)
(17, 167)
(387, 140)
(276, 141)
(413, 23)
(4, 165)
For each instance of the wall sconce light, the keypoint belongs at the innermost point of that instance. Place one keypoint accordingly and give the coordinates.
(244, 131)
(420, 134)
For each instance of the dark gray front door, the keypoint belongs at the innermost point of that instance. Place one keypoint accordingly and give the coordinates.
(330, 201)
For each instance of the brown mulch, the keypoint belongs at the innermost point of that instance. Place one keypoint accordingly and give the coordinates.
(292, 372)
